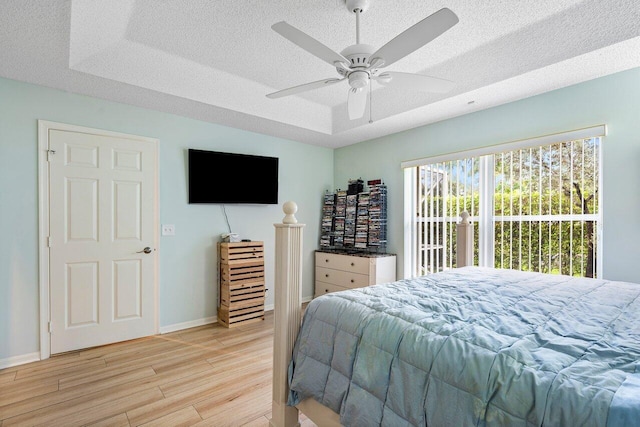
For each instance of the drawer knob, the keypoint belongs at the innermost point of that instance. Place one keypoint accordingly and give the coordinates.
(326, 260)
(326, 275)
(352, 280)
(326, 291)
(352, 264)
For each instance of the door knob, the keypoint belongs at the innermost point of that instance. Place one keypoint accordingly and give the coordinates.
(146, 250)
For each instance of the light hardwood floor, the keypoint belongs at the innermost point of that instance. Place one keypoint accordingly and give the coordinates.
(206, 376)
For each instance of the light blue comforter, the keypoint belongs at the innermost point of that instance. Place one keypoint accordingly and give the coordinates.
(472, 347)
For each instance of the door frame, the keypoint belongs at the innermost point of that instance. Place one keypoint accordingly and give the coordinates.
(44, 127)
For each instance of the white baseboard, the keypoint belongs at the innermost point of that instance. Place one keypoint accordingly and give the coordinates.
(206, 321)
(186, 325)
(19, 360)
(270, 306)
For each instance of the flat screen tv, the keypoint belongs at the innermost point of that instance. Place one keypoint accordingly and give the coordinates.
(216, 177)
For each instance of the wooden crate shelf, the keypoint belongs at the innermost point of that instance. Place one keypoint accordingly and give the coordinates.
(242, 286)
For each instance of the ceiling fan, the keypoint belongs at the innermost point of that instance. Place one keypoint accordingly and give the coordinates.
(358, 64)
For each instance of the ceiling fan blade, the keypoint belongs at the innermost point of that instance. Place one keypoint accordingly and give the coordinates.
(303, 88)
(416, 36)
(409, 81)
(308, 43)
(356, 102)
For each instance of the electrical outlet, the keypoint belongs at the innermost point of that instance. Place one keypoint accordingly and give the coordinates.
(168, 230)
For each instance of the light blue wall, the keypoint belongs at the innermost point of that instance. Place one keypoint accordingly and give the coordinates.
(188, 276)
(188, 272)
(613, 100)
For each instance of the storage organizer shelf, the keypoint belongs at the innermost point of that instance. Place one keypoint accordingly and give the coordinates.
(242, 286)
(355, 220)
(241, 252)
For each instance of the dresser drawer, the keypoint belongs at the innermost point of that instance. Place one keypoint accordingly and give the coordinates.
(346, 279)
(353, 264)
(338, 272)
(323, 288)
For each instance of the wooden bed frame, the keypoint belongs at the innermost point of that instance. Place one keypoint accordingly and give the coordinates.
(288, 315)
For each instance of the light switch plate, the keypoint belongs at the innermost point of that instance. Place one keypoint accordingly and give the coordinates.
(168, 230)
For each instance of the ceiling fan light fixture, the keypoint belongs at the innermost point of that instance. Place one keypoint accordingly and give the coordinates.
(358, 79)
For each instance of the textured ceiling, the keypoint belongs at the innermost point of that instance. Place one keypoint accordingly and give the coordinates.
(216, 60)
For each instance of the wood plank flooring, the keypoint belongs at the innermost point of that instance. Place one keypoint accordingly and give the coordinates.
(206, 376)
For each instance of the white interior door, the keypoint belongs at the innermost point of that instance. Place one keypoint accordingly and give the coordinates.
(102, 203)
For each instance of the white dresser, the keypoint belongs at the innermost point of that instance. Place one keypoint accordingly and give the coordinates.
(339, 272)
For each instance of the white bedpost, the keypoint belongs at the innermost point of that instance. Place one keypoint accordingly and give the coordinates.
(464, 241)
(287, 312)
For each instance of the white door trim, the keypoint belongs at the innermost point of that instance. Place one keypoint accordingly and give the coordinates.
(43, 221)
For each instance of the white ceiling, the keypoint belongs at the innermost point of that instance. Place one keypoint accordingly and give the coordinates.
(215, 60)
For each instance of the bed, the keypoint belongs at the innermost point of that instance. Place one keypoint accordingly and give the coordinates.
(470, 346)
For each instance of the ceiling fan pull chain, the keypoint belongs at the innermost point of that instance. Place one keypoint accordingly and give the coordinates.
(370, 90)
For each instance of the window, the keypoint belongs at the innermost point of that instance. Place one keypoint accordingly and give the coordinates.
(535, 206)
(443, 190)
